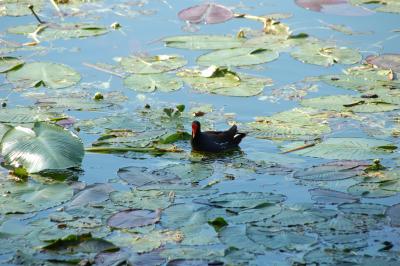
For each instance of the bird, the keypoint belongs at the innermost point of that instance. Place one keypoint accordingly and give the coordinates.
(215, 141)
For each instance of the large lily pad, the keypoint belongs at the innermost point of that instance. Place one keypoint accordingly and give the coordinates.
(133, 218)
(50, 75)
(45, 146)
(330, 171)
(342, 103)
(345, 148)
(50, 31)
(203, 42)
(137, 199)
(152, 64)
(363, 208)
(327, 196)
(9, 63)
(246, 199)
(238, 57)
(140, 176)
(25, 115)
(151, 82)
(92, 194)
(318, 52)
(298, 123)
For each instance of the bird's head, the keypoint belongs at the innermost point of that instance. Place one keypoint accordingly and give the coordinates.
(195, 128)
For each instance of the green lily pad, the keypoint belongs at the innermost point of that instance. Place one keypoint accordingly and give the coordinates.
(180, 215)
(342, 103)
(179, 190)
(246, 199)
(331, 171)
(50, 75)
(362, 78)
(345, 148)
(245, 216)
(225, 82)
(298, 123)
(74, 103)
(9, 63)
(205, 253)
(140, 176)
(199, 234)
(18, 8)
(93, 194)
(52, 31)
(45, 146)
(238, 57)
(282, 240)
(151, 82)
(152, 64)
(240, 238)
(393, 212)
(390, 6)
(203, 42)
(133, 218)
(327, 196)
(363, 208)
(137, 199)
(26, 115)
(370, 190)
(320, 53)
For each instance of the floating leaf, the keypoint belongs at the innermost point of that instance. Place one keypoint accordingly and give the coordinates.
(344, 149)
(371, 190)
(203, 42)
(334, 7)
(238, 57)
(385, 61)
(391, 6)
(19, 7)
(320, 53)
(363, 208)
(45, 146)
(393, 212)
(206, 13)
(126, 255)
(52, 31)
(140, 176)
(246, 199)
(141, 199)
(362, 78)
(133, 218)
(282, 240)
(9, 63)
(51, 75)
(342, 103)
(327, 196)
(152, 64)
(239, 237)
(92, 194)
(151, 82)
(294, 124)
(331, 171)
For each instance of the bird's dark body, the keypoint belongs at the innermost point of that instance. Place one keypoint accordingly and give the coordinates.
(215, 141)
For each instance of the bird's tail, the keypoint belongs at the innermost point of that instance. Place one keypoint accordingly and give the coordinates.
(238, 137)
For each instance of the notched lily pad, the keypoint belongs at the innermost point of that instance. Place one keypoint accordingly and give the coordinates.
(134, 218)
(206, 13)
(50, 75)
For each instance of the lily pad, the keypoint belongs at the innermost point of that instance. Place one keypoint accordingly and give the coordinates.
(298, 123)
(137, 199)
(140, 176)
(385, 61)
(393, 212)
(53, 31)
(342, 103)
(246, 199)
(203, 42)
(9, 63)
(345, 148)
(18, 8)
(133, 218)
(239, 237)
(206, 13)
(45, 146)
(238, 57)
(334, 7)
(151, 82)
(92, 194)
(327, 196)
(362, 78)
(390, 6)
(363, 208)
(370, 190)
(152, 64)
(50, 75)
(330, 171)
(318, 52)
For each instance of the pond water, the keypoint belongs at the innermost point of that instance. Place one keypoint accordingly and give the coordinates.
(303, 188)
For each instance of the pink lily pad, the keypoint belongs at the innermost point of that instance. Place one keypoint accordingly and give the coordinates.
(385, 61)
(206, 13)
(334, 7)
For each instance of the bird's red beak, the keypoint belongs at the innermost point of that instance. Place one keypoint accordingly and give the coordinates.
(194, 130)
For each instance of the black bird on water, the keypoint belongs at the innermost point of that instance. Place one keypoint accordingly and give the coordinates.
(215, 141)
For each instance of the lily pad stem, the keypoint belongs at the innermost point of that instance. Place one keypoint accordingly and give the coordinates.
(34, 13)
